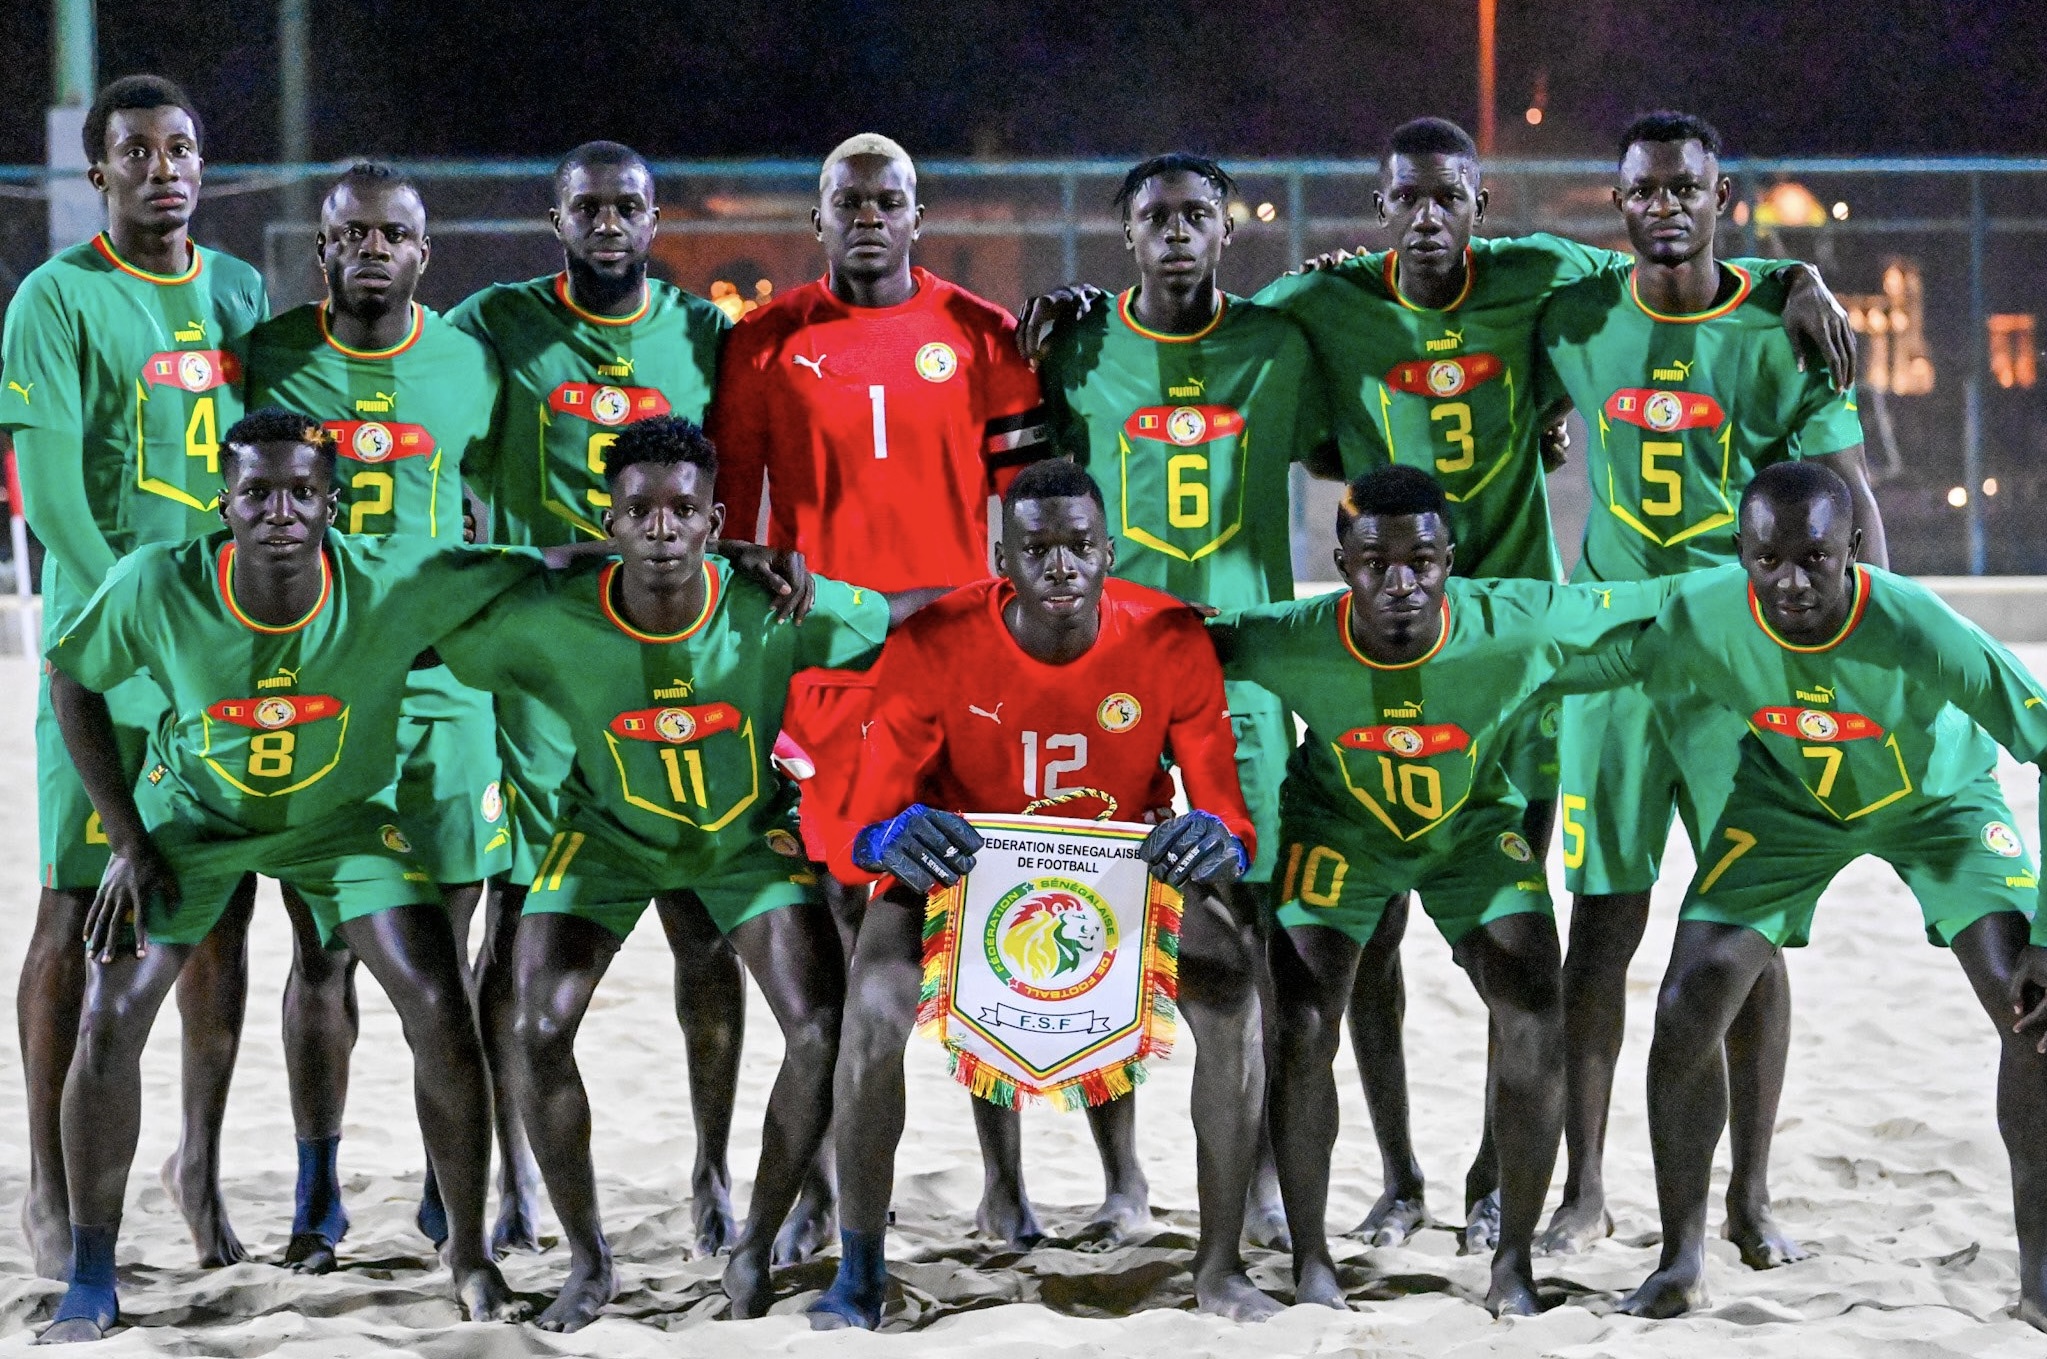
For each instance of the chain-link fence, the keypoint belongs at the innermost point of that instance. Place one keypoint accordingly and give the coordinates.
(1943, 262)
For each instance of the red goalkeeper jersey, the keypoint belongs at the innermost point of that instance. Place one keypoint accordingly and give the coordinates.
(963, 719)
(881, 431)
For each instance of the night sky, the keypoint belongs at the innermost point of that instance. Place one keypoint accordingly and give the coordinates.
(1069, 76)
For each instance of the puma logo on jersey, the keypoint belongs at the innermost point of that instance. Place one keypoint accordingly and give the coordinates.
(619, 367)
(17, 387)
(377, 403)
(1679, 370)
(1413, 708)
(1819, 693)
(283, 679)
(815, 365)
(682, 688)
(191, 330)
(1193, 386)
(1451, 339)
(995, 717)
(2035, 702)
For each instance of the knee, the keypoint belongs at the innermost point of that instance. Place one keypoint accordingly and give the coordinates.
(811, 1037)
(112, 1032)
(438, 1012)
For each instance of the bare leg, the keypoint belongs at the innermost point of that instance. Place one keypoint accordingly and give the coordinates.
(1126, 1197)
(321, 1021)
(1758, 1047)
(1005, 1212)
(1313, 974)
(1378, 1008)
(813, 1223)
(47, 1002)
(1605, 932)
(213, 993)
(491, 989)
(411, 952)
(795, 956)
(710, 1004)
(1481, 1233)
(1712, 969)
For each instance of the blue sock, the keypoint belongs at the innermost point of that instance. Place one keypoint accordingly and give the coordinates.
(433, 1214)
(317, 1209)
(860, 1289)
(91, 1295)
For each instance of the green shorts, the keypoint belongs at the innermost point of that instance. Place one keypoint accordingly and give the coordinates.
(353, 863)
(1265, 738)
(536, 752)
(1767, 863)
(73, 848)
(447, 796)
(1477, 869)
(596, 879)
(1529, 749)
(1621, 786)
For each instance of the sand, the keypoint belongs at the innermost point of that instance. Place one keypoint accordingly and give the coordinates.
(1888, 1165)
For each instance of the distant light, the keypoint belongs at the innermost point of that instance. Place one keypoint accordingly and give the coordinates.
(1267, 212)
(1990, 485)
(1741, 213)
(1958, 497)
(1840, 212)
(1534, 116)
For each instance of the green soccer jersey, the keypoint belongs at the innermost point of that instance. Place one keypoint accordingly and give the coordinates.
(1189, 437)
(406, 420)
(672, 734)
(1400, 748)
(570, 380)
(1682, 412)
(1451, 390)
(1904, 707)
(274, 727)
(142, 370)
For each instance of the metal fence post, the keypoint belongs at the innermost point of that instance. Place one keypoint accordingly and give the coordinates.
(1972, 384)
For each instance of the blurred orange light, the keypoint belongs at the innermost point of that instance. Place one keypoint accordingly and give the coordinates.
(1534, 116)
(1958, 497)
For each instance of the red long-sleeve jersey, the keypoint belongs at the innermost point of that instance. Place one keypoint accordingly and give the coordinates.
(965, 720)
(881, 431)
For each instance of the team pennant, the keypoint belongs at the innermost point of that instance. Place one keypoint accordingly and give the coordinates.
(195, 370)
(676, 726)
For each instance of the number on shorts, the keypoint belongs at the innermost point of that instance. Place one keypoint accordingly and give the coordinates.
(1574, 832)
(1304, 866)
(1740, 842)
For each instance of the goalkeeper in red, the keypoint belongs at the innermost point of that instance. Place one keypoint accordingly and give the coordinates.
(1051, 688)
(1870, 716)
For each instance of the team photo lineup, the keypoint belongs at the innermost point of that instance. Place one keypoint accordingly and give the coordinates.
(818, 630)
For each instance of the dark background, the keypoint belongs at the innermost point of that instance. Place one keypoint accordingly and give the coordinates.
(1062, 77)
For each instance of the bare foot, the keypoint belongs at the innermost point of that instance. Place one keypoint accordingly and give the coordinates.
(584, 1294)
(1482, 1226)
(517, 1227)
(205, 1214)
(710, 1204)
(1316, 1285)
(483, 1295)
(1513, 1291)
(1393, 1219)
(2032, 1313)
(1119, 1218)
(1234, 1297)
(1009, 1218)
(1265, 1218)
(310, 1253)
(811, 1225)
(749, 1284)
(1762, 1243)
(1574, 1227)
(1669, 1292)
(46, 1223)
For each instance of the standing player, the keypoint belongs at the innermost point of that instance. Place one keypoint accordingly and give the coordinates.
(1408, 683)
(407, 397)
(282, 652)
(1187, 406)
(880, 405)
(117, 373)
(671, 671)
(1116, 678)
(1680, 364)
(1860, 693)
(582, 354)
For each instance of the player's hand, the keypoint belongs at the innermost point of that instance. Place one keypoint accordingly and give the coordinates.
(1050, 312)
(921, 846)
(781, 571)
(1196, 847)
(135, 876)
(1328, 259)
(2029, 994)
(1556, 446)
(1818, 326)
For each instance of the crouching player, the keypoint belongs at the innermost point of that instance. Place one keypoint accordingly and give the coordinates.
(670, 672)
(973, 702)
(1408, 683)
(283, 651)
(1871, 710)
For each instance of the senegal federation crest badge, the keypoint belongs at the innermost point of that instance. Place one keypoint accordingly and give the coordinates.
(1119, 712)
(1051, 967)
(936, 362)
(394, 839)
(2002, 840)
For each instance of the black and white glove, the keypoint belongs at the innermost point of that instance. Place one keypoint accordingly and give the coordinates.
(922, 847)
(1196, 847)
